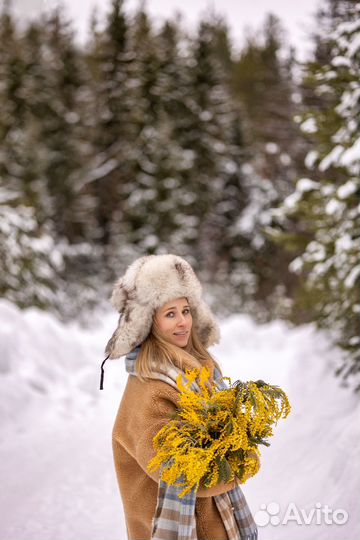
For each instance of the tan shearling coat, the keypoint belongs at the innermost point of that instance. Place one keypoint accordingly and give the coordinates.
(144, 409)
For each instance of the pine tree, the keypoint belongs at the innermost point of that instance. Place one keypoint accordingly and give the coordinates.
(29, 257)
(157, 207)
(322, 215)
(12, 102)
(208, 134)
(143, 192)
(110, 124)
(264, 84)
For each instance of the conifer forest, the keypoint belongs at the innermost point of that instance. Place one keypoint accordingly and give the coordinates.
(152, 139)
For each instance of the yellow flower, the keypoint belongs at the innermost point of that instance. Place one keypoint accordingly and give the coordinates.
(216, 433)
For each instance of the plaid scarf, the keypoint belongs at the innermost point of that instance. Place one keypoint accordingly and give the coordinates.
(174, 516)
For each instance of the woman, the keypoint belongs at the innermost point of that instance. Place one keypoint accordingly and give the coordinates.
(164, 328)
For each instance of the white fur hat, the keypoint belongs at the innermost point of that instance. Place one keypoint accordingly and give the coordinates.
(149, 283)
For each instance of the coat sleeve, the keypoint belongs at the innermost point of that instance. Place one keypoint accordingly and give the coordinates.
(158, 416)
(145, 409)
(154, 413)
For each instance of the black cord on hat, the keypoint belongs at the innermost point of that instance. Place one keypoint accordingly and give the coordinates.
(102, 373)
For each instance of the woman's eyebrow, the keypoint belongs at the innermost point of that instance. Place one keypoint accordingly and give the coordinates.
(174, 307)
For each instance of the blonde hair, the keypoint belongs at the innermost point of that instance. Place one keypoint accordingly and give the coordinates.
(156, 353)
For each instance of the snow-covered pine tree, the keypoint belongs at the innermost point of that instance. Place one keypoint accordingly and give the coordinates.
(12, 102)
(263, 83)
(45, 221)
(29, 258)
(52, 84)
(210, 140)
(163, 192)
(322, 215)
(148, 195)
(176, 227)
(111, 133)
(184, 133)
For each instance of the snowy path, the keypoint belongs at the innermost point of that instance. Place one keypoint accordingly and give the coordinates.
(57, 475)
(58, 482)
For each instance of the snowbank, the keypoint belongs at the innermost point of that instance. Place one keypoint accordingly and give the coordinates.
(58, 481)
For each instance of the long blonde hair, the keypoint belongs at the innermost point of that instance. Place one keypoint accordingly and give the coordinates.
(157, 353)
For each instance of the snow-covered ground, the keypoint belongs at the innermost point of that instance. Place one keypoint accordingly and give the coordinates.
(56, 470)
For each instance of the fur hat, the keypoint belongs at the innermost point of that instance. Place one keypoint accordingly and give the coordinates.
(149, 283)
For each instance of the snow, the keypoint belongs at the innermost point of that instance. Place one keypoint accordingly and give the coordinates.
(285, 159)
(334, 207)
(271, 148)
(345, 243)
(354, 45)
(291, 202)
(296, 265)
(348, 26)
(58, 479)
(351, 277)
(347, 189)
(316, 251)
(306, 184)
(309, 126)
(311, 158)
(103, 170)
(351, 155)
(349, 100)
(339, 61)
(331, 158)
(257, 213)
(303, 185)
(327, 189)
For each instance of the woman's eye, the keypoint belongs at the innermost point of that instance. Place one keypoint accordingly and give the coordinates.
(186, 311)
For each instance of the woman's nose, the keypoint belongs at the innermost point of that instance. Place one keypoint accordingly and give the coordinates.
(181, 319)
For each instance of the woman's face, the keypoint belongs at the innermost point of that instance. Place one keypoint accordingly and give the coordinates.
(175, 321)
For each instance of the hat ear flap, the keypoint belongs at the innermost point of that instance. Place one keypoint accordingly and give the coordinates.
(128, 334)
(118, 296)
(206, 324)
(111, 344)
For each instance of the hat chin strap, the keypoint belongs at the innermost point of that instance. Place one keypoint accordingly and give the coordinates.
(103, 373)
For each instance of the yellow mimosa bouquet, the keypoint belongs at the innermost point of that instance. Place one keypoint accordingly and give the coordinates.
(215, 434)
